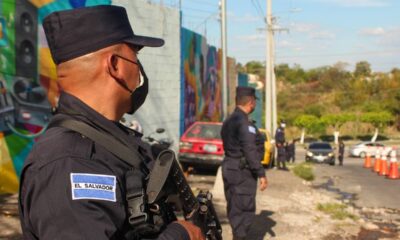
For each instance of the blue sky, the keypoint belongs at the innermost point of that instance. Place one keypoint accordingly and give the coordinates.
(320, 32)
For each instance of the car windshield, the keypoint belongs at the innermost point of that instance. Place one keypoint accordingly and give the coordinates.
(320, 146)
(205, 131)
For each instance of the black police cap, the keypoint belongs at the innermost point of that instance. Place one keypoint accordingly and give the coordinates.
(245, 91)
(74, 33)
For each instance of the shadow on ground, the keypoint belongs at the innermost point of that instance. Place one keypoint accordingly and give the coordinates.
(263, 224)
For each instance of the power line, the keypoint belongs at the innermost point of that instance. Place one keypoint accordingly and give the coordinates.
(196, 9)
(258, 9)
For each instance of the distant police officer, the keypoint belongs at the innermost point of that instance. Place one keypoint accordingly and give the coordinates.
(341, 152)
(242, 163)
(291, 151)
(280, 145)
(71, 186)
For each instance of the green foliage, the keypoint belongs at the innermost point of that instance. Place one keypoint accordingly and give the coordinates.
(337, 120)
(333, 95)
(363, 68)
(304, 171)
(315, 110)
(377, 119)
(292, 75)
(255, 67)
(309, 122)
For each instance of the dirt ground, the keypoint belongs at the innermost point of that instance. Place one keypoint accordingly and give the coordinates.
(287, 210)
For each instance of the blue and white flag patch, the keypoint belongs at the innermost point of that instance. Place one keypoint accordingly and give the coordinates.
(93, 186)
(252, 129)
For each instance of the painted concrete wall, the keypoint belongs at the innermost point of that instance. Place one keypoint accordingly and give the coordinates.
(201, 80)
(162, 66)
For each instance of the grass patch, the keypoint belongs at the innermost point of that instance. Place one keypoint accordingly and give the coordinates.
(336, 211)
(304, 171)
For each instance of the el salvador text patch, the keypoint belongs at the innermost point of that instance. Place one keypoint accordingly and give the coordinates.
(252, 129)
(93, 186)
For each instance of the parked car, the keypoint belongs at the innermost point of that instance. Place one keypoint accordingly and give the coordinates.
(361, 149)
(321, 152)
(201, 146)
(269, 149)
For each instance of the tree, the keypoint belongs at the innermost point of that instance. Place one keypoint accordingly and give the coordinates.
(363, 68)
(378, 120)
(306, 122)
(255, 67)
(336, 121)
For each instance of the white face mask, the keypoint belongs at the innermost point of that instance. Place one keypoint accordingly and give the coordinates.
(141, 80)
(283, 125)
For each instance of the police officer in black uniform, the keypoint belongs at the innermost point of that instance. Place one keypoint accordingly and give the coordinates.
(341, 152)
(280, 145)
(71, 186)
(241, 166)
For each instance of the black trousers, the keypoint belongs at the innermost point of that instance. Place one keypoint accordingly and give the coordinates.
(240, 189)
(281, 157)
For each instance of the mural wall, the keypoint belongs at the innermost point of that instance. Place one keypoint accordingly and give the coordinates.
(28, 85)
(201, 95)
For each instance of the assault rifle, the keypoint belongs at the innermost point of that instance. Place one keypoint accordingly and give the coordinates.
(166, 182)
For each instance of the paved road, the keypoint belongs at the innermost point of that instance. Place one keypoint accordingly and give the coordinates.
(362, 186)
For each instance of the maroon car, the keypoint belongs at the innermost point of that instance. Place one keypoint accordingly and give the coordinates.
(201, 146)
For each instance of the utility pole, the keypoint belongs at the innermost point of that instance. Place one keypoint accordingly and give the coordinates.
(224, 60)
(271, 109)
(273, 87)
(269, 69)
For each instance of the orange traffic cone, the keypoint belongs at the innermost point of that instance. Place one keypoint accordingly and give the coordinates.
(377, 165)
(367, 162)
(394, 167)
(383, 171)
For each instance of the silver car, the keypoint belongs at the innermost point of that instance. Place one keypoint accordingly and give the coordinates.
(361, 149)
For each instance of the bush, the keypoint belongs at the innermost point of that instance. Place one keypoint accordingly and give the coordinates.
(369, 137)
(346, 137)
(327, 138)
(336, 211)
(304, 171)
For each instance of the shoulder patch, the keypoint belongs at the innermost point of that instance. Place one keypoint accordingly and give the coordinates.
(252, 129)
(93, 186)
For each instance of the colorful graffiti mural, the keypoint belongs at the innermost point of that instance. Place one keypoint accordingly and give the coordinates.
(201, 81)
(28, 86)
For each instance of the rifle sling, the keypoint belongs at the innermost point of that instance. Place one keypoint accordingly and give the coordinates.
(128, 155)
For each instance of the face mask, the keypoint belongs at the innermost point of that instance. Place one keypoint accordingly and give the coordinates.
(139, 94)
(283, 125)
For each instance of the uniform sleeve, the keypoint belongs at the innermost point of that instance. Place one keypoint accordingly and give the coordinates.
(73, 199)
(174, 231)
(247, 140)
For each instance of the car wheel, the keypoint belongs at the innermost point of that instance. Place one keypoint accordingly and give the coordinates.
(362, 154)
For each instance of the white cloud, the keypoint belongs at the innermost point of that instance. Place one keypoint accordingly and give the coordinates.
(322, 35)
(303, 27)
(378, 31)
(391, 38)
(357, 3)
(251, 38)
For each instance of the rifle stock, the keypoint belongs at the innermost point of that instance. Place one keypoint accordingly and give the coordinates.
(167, 180)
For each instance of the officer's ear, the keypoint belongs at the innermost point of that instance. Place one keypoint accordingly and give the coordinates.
(113, 66)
